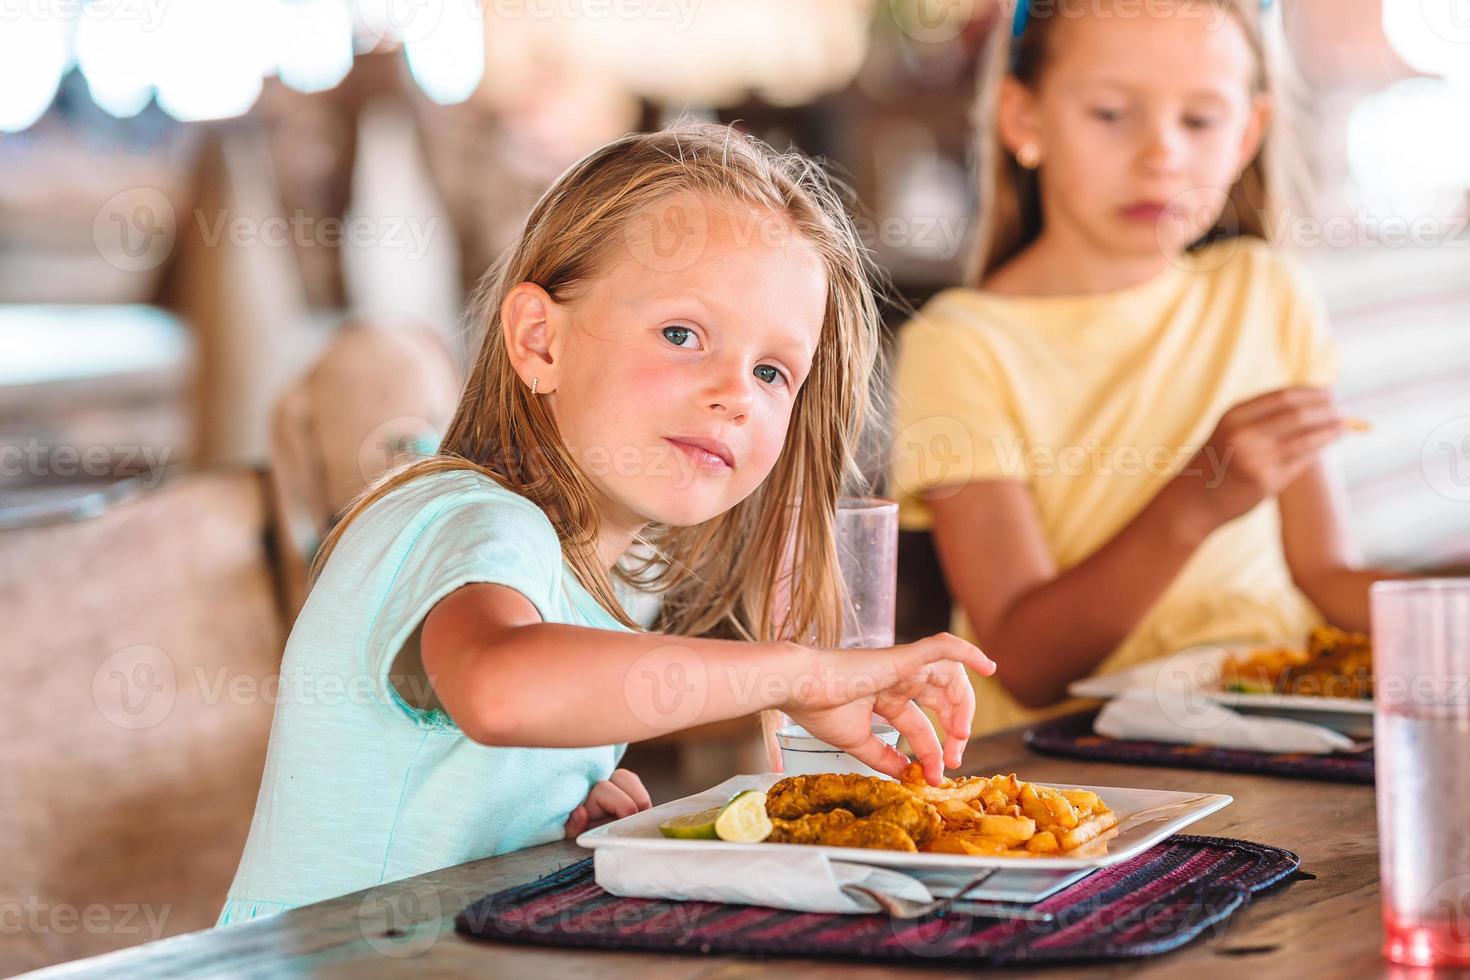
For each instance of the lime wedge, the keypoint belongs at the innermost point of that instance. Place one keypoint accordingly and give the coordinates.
(743, 820)
(692, 826)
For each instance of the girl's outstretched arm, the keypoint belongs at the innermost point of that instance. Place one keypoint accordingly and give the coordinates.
(1048, 628)
(507, 678)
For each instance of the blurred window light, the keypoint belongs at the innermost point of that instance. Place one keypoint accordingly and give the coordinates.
(66, 343)
(392, 22)
(1432, 36)
(34, 53)
(314, 43)
(445, 49)
(116, 55)
(1408, 149)
(212, 56)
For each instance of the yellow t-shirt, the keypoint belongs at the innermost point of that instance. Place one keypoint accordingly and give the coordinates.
(1095, 402)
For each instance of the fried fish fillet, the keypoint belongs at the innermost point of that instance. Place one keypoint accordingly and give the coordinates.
(841, 828)
(867, 797)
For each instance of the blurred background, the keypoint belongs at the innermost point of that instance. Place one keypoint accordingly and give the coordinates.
(236, 242)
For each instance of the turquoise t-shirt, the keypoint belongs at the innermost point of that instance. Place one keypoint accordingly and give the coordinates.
(361, 788)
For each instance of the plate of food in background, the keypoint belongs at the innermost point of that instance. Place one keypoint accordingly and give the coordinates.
(1326, 680)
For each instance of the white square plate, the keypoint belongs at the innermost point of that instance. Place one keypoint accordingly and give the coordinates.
(1197, 670)
(1145, 817)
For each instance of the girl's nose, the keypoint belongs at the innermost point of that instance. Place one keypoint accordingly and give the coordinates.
(1163, 147)
(730, 392)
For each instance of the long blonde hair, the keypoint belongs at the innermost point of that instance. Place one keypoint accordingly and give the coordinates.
(1010, 201)
(723, 577)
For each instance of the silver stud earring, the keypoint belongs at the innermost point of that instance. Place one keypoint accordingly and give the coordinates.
(534, 383)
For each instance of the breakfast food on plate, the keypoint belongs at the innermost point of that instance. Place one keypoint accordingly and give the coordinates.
(973, 815)
(1335, 664)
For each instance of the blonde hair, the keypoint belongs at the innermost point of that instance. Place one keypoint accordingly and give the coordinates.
(723, 577)
(1010, 202)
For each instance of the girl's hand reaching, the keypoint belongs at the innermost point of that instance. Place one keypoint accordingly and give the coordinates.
(1260, 447)
(836, 703)
(622, 795)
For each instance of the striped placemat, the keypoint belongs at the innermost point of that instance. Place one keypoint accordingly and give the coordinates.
(1158, 901)
(1072, 737)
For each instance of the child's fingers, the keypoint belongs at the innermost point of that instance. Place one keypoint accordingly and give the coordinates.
(1276, 402)
(627, 780)
(957, 715)
(576, 823)
(878, 754)
(914, 725)
(1287, 425)
(609, 800)
(947, 646)
(1311, 441)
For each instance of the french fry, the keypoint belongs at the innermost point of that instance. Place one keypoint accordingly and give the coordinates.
(1087, 830)
(981, 844)
(947, 844)
(1016, 830)
(1061, 809)
(958, 813)
(1084, 799)
(1003, 816)
(1095, 847)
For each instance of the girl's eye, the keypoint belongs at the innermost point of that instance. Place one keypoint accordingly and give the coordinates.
(1107, 115)
(677, 335)
(1199, 122)
(775, 375)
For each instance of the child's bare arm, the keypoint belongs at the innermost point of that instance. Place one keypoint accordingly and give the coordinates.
(1324, 561)
(507, 678)
(1046, 628)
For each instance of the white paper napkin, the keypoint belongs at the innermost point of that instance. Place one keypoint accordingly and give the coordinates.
(1163, 716)
(787, 878)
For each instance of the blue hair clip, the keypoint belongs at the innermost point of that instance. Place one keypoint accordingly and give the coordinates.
(1018, 21)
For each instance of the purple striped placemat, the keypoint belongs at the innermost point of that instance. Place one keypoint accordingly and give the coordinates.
(1072, 737)
(1173, 893)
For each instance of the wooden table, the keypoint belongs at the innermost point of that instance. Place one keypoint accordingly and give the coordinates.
(1320, 927)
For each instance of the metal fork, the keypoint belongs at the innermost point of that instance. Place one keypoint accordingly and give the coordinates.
(904, 908)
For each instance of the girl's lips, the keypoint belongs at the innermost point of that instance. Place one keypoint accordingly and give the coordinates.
(701, 456)
(1146, 211)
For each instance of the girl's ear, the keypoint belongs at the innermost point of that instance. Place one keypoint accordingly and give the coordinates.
(535, 330)
(1015, 116)
(1255, 130)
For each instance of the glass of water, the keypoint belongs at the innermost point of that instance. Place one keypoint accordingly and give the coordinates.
(1421, 665)
(867, 554)
(867, 560)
